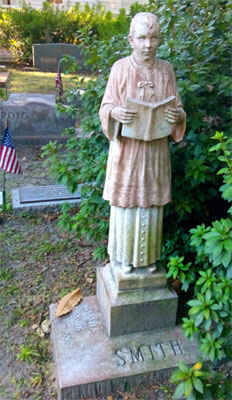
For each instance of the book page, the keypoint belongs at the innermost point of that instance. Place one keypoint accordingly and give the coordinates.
(150, 123)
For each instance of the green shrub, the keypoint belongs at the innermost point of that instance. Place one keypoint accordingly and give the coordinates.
(197, 384)
(210, 311)
(21, 28)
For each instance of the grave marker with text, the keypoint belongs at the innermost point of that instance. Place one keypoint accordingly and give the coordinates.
(47, 56)
(89, 363)
(32, 118)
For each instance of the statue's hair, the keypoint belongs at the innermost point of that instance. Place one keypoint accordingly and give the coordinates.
(144, 18)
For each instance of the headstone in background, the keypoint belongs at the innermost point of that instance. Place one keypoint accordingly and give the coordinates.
(32, 118)
(47, 56)
(43, 199)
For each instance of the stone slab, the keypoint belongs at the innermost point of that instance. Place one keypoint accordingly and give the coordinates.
(135, 310)
(46, 193)
(43, 199)
(32, 118)
(89, 363)
(140, 278)
(4, 76)
(47, 56)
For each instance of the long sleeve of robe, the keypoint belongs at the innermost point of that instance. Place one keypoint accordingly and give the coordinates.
(138, 172)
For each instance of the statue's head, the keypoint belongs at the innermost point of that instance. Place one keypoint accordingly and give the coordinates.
(144, 35)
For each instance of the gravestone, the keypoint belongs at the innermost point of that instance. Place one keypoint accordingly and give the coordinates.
(43, 199)
(47, 56)
(123, 336)
(32, 118)
(89, 363)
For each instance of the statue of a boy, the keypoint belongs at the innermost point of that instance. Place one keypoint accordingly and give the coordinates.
(138, 178)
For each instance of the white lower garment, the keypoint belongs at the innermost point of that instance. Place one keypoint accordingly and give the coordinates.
(135, 235)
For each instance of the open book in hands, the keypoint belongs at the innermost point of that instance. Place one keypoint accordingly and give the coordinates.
(150, 122)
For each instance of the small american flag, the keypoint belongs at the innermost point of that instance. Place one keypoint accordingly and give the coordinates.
(59, 84)
(8, 157)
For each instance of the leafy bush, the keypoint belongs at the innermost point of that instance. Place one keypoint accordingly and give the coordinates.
(210, 312)
(197, 384)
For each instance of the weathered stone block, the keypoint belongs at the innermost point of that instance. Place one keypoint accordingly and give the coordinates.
(89, 364)
(134, 310)
(141, 278)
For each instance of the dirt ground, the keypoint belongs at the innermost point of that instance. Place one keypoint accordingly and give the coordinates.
(38, 265)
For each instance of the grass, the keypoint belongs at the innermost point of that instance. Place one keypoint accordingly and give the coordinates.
(27, 81)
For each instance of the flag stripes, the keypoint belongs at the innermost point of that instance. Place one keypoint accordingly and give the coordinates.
(8, 157)
(59, 84)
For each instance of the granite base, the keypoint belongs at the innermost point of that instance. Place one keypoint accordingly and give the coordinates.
(89, 363)
(134, 310)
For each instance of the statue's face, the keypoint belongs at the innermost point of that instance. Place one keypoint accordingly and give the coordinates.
(144, 41)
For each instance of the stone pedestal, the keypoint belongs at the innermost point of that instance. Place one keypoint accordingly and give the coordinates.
(135, 302)
(89, 363)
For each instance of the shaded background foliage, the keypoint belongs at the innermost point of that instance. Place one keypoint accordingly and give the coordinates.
(21, 28)
(195, 39)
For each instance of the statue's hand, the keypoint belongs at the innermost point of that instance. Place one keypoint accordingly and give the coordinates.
(174, 115)
(123, 115)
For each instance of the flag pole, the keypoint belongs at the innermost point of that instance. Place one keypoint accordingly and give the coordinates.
(4, 192)
(59, 67)
(4, 179)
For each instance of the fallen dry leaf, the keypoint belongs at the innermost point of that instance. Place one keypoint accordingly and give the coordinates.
(155, 386)
(34, 326)
(45, 326)
(68, 302)
(40, 332)
(89, 280)
(110, 398)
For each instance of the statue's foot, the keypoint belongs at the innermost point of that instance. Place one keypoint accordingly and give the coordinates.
(152, 268)
(127, 269)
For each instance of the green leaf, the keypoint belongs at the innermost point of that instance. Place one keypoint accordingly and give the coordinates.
(198, 385)
(195, 310)
(208, 295)
(208, 323)
(183, 367)
(179, 390)
(199, 318)
(194, 303)
(214, 316)
(226, 192)
(226, 259)
(228, 245)
(188, 387)
(212, 354)
(206, 313)
(178, 375)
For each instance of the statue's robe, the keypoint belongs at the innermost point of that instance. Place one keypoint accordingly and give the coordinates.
(138, 177)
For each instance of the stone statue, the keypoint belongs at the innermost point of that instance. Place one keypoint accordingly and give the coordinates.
(138, 178)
